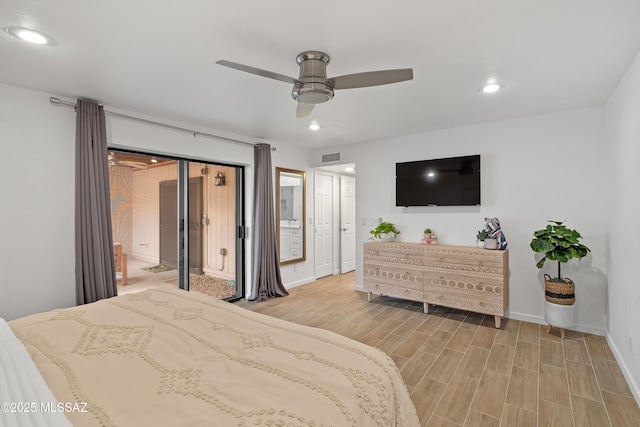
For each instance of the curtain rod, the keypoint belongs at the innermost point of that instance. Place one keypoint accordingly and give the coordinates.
(195, 133)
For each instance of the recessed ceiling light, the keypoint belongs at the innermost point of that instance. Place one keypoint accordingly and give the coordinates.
(491, 87)
(28, 35)
(314, 126)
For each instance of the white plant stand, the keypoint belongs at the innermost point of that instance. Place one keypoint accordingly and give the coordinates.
(560, 316)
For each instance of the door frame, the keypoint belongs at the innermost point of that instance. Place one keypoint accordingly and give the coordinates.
(347, 226)
(336, 172)
(183, 208)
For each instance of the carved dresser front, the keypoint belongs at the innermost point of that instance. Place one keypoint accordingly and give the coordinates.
(463, 277)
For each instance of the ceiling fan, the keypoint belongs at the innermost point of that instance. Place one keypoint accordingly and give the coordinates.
(113, 161)
(313, 87)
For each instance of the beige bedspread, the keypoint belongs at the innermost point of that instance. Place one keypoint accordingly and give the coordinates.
(167, 357)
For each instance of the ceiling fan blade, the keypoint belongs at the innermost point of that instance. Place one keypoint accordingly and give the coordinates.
(135, 165)
(258, 71)
(303, 110)
(371, 78)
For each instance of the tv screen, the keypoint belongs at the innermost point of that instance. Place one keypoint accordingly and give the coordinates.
(453, 181)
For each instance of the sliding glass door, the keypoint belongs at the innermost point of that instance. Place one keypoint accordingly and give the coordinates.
(178, 222)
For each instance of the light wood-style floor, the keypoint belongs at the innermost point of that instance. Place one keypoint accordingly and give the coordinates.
(461, 371)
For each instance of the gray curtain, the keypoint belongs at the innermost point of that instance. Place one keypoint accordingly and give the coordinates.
(267, 281)
(95, 270)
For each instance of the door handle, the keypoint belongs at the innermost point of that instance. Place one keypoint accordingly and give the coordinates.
(344, 229)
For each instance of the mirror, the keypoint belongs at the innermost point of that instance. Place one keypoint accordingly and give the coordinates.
(290, 215)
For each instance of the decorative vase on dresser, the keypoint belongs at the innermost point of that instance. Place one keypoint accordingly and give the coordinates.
(461, 277)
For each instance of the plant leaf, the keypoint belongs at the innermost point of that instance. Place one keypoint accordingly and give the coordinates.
(540, 263)
(562, 255)
(539, 245)
(540, 233)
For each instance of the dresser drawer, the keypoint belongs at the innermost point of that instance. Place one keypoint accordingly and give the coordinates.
(383, 288)
(393, 253)
(472, 260)
(396, 275)
(399, 281)
(472, 284)
(294, 232)
(454, 297)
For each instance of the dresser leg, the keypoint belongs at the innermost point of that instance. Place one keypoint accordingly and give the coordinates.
(498, 321)
(368, 296)
(426, 307)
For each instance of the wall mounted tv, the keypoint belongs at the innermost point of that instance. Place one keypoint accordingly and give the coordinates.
(453, 181)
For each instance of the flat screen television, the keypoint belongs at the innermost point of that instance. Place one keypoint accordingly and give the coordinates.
(453, 181)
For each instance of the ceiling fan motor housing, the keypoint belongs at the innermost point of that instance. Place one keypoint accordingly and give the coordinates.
(312, 86)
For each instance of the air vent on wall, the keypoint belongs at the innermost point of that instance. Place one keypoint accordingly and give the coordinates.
(333, 157)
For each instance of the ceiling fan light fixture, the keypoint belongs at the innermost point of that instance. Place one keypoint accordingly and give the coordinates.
(491, 87)
(29, 35)
(312, 92)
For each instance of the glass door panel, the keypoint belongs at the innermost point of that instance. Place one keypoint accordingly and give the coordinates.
(216, 223)
(143, 223)
(146, 217)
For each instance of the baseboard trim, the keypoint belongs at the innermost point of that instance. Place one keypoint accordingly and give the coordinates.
(150, 259)
(540, 320)
(299, 282)
(218, 273)
(635, 390)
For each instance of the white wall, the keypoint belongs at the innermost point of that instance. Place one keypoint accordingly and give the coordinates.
(37, 173)
(37, 268)
(622, 123)
(533, 169)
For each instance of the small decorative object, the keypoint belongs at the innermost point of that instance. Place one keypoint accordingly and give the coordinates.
(492, 225)
(558, 243)
(427, 233)
(433, 240)
(481, 236)
(490, 243)
(429, 237)
(385, 231)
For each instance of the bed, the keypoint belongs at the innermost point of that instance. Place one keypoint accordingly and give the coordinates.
(170, 357)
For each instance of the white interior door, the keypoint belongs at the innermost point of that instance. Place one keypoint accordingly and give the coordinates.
(323, 195)
(347, 224)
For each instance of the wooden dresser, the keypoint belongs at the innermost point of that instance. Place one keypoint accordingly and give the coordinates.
(463, 277)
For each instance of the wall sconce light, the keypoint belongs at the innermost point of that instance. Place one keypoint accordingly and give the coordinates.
(219, 178)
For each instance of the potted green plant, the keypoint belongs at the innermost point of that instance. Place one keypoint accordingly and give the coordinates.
(481, 236)
(427, 233)
(385, 231)
(558, 243)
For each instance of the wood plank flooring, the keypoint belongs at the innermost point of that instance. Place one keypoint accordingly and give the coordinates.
(461, 371)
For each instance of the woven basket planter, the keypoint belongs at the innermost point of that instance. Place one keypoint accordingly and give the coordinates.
(559, 293)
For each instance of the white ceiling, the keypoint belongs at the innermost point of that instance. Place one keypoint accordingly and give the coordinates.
(158, 58)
